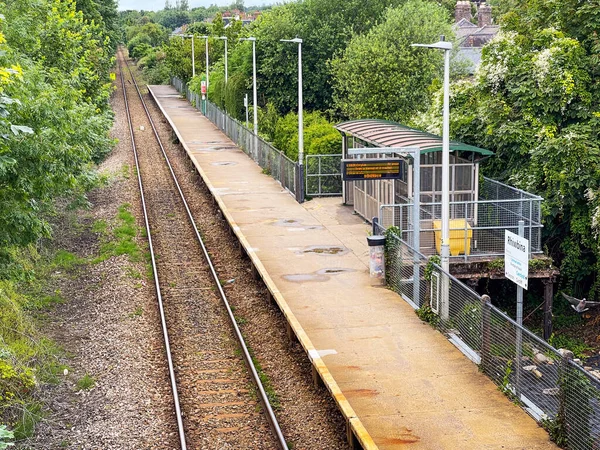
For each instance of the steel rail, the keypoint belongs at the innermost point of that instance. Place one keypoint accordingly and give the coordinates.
(163, 321)
(272, 419)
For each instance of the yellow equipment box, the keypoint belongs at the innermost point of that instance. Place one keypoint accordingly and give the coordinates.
(459, 230)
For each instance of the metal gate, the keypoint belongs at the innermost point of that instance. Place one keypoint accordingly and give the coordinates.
(323, 175)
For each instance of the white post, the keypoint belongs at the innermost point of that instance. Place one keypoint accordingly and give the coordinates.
(246, 105)
(225, 59)
(416, 226)
(519, 342)
(446, 185)
(300, 119)
(300, 171)
(206, 49)
(254, 95)
(193, 59)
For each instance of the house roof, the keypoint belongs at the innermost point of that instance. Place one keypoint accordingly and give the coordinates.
(384, 133)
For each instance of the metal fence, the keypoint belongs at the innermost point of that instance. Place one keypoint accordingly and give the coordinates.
(323, 175)
(548, 384)
(273, 161)
(476, 227)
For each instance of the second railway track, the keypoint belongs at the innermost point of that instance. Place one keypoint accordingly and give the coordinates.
(217, 392)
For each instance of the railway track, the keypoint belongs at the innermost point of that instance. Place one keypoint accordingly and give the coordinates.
(219, 401)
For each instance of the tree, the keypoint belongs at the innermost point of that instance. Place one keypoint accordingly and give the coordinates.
(380, 75)
(534, 101)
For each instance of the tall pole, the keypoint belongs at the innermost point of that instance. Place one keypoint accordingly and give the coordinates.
(446, 183)
(225, 59)
(206, 51)
(445, 303)
(193, 59)
(254, 96)
(299, 185)
(300, 119)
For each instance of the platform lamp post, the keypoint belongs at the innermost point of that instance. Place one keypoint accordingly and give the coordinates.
(205, 96)
(254, 95)
(446, 46)
(193, 56)
(300, 172)
(224, 38)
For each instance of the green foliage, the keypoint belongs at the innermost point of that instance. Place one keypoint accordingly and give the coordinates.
(85, 383)
(54, 84)
(577, 346)
(319, 135)
(533, 101)
(575, 411)
(430, 267)
(379, 74)
(427, 315)
(5, 437)
(122, 241)
(325, 28)
(468, 322)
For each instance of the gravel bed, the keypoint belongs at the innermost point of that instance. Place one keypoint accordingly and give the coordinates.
(307, 415)
(220, 408)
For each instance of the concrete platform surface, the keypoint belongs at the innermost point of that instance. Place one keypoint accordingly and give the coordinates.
(399, 382)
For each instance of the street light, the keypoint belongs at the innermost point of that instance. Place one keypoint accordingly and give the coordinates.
(206, 51)
(254, 105)
(193, 57)
(442, 44)
(300, 184)
(224, 38)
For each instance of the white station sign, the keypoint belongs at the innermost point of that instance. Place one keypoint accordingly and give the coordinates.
(516, 258)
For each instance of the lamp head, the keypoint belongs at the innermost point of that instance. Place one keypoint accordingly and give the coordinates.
(296, 40)
(248, 39)
(224, 38)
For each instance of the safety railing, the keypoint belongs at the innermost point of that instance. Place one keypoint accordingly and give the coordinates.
(476, 227)
(323, 175)
(273, 161)
(552, 387)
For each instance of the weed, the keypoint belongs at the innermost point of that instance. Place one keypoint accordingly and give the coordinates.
(5, 437)
(133, 273)
(426, 314)
(241, 321)
(137, 313)
(30, 413)
(505, 386)
(85, 383)
(172, 284)
(577, 346)
(266, 171)
(100, 227)
(123, 238)
(66, 260)
(125, 171)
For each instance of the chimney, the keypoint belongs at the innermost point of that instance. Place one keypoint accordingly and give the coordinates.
(462, 11)
(484, 15)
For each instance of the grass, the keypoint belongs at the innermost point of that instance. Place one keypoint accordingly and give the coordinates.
(85, 383)
(576, 345)
(137, 312)
(123, 238)
(66, 260)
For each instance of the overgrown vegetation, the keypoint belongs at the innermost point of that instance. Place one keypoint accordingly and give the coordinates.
(55, 59)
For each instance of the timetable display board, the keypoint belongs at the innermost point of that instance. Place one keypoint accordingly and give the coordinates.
(372, 169)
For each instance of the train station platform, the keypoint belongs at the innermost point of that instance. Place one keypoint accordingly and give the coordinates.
(399, 382)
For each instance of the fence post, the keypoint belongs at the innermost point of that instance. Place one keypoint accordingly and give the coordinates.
(375, 225)
(485, 331)
(299, 184)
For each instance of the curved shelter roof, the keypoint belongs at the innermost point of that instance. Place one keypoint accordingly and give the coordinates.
(383, 133)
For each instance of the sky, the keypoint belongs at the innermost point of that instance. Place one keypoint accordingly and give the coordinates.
(155, 5)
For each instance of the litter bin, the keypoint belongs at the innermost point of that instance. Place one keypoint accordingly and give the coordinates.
(377, 259)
